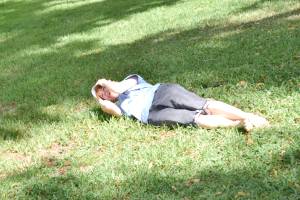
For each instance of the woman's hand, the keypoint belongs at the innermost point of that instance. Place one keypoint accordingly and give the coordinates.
(109, 107)
(110, 85)
(101, 82)
(118, 87)
(104, 104)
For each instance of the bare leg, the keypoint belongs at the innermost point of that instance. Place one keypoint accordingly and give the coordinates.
(214, 121)
(249, 120)
(230, 112)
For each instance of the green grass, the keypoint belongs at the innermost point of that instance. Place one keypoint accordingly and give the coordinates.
(55, 143)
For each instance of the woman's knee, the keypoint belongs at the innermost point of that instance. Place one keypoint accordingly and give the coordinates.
(210, 105)
(213, 104)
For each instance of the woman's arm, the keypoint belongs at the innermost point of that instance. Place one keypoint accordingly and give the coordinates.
(118, 87)
(110, 108)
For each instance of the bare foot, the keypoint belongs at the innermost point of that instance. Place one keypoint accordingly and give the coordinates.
(255, 121)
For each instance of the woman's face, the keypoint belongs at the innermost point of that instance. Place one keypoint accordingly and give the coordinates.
(106, 94)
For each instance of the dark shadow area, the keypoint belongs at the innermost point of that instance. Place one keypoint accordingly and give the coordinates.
(291, 157)
(64, 187)
(256, 5)
(211, 184)
(10, 134)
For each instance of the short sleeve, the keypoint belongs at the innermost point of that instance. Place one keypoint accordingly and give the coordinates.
(138, 77)
(118, 103)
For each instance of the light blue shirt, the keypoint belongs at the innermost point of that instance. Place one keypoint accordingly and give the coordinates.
(137, 101)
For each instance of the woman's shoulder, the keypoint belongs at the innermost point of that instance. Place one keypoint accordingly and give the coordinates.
(137, 77)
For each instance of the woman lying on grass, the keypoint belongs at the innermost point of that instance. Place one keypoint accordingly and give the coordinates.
(169, 104)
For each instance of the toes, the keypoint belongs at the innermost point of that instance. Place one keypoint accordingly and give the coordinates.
(258, 121)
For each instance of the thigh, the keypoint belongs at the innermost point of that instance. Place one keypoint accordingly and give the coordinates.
(171, 116)
(175, 96)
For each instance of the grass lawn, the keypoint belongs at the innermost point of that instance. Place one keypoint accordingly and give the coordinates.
(55, 143)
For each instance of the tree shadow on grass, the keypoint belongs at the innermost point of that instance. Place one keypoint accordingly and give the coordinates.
(255, 5)
(27, 22)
